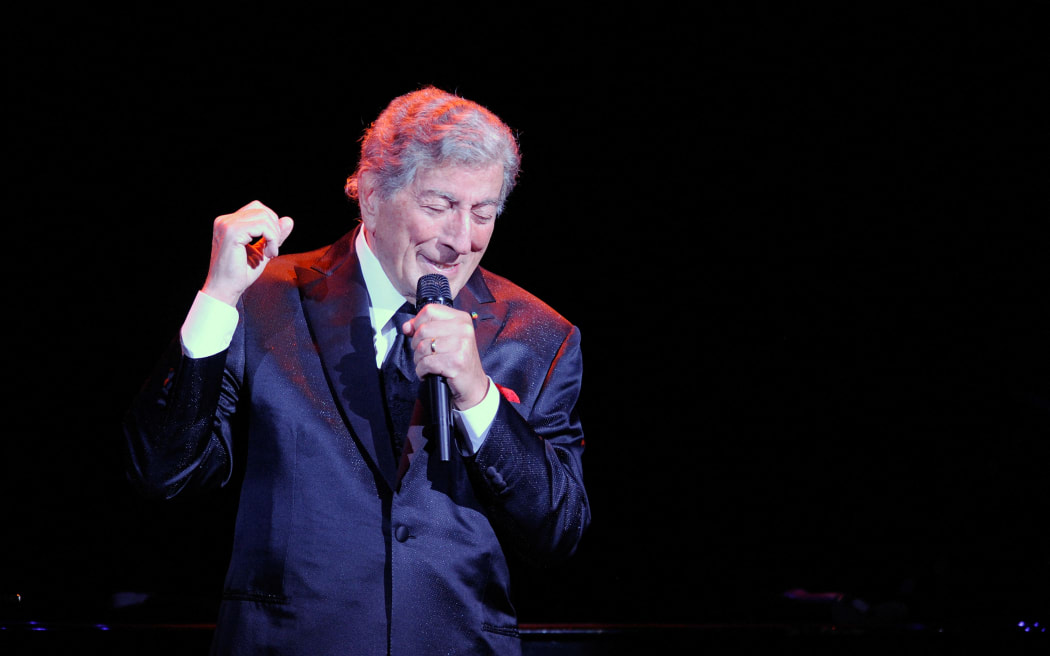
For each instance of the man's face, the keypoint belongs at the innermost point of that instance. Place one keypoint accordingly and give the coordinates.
(440, 223)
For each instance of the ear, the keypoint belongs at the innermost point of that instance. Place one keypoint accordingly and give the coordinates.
(367, 199)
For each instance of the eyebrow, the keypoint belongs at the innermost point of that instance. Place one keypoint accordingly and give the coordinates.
(452, 199)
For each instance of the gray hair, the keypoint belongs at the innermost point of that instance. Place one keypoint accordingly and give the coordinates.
(428, 128)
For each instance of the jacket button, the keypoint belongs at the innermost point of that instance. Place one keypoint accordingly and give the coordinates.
(401, 533)
(495, 479)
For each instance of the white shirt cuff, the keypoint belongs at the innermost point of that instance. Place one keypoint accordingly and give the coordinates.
(475, 422)
(208, 328)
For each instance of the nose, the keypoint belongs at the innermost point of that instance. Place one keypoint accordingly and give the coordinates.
(457, 233)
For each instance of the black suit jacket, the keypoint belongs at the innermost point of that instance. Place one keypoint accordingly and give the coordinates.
(334, 552)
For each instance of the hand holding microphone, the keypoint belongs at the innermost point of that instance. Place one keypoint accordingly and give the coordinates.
(445, 353)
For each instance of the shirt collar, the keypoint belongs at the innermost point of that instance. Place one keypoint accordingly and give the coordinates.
(384, 299)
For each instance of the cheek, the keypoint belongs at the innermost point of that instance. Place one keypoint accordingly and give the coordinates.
(405, 232)
(479, 238)
(416, 228)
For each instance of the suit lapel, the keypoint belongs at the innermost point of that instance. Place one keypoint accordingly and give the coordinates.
(476, 299)
(335, 303)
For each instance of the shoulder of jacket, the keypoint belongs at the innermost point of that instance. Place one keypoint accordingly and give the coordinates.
(521, 303)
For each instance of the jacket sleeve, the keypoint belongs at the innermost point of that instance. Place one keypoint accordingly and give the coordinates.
(528, 472)
(177, 429)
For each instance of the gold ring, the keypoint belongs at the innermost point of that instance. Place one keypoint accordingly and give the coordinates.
(433, 349)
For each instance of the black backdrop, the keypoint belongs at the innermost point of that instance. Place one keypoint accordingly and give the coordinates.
(804, 250)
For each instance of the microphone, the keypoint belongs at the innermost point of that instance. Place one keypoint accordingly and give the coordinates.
(434, 288)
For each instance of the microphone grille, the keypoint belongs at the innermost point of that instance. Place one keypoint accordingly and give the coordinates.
(433, 288)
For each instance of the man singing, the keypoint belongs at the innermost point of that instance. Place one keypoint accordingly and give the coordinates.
(304, 377)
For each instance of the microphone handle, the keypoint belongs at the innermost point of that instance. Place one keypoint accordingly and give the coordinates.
(434, 288)
(440, 404)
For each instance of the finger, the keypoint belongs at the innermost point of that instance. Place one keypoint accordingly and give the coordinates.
(437, 321)
(434, 319)
(424, 347)
(283, 228)
(443, 354)
(255, 253)
(263, 232)
(428, 348)
(457, 360)
(256, 206)
(285, 225)
(248, 224)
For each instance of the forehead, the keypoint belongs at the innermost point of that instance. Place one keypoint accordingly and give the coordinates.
(460, 183)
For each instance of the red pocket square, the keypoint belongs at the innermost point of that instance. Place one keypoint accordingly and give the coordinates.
(508, 393)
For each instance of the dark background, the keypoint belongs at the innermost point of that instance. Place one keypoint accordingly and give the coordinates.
(806, 250)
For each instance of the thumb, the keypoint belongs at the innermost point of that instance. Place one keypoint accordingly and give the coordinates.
(285, 223)
(284, 228)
